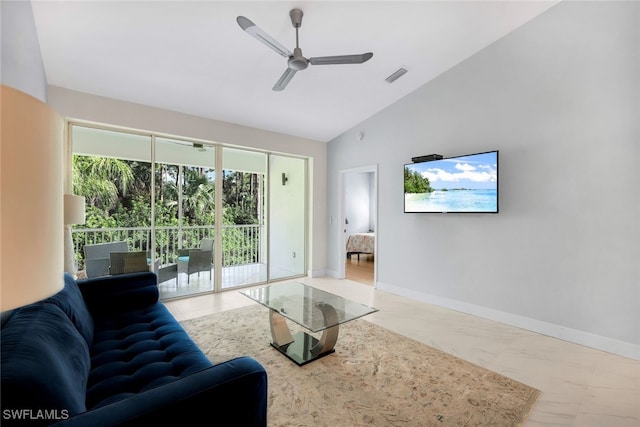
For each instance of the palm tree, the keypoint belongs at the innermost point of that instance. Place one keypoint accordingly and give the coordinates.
(198, 196)
(101, 180)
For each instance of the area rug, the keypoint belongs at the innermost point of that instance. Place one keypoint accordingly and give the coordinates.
(375, 378)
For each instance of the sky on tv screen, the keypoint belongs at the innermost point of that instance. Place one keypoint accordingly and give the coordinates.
(476, 171)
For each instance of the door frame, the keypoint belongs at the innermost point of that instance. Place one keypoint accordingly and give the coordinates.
(342, 243)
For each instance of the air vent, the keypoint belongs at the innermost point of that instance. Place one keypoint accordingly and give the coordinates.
(396, 75)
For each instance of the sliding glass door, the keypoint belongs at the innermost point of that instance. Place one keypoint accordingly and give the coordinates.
(112, 170)
(184, 213)
(208, 217)
(244, 249)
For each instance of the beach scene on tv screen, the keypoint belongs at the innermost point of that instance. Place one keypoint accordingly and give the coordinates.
(458, 184)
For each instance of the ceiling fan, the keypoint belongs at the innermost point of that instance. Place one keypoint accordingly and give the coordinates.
(296, 61)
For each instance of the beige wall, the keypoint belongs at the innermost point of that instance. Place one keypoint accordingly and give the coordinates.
(31, 232)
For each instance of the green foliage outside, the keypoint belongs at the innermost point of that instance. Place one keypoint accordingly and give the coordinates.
(416, 183)
(118, 195)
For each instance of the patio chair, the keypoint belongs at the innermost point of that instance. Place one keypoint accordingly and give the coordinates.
(199, 261)
(203, 260)
(128, 262)
(205, 245)
(97, 259)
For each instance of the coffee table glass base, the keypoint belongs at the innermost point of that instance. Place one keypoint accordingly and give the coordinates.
(301, 347)
(300, 350)
(311, 308)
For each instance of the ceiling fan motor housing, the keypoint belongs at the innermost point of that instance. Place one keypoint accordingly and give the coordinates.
(297, 61)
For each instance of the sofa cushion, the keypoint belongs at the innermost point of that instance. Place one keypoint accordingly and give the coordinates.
(110, 295)
(70, 301)
(136, 351)
(45, 361)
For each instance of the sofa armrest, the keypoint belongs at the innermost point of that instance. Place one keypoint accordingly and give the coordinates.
(122, 292)
(206, 395)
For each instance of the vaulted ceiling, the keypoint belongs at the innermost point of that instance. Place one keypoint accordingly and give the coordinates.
(193, 57)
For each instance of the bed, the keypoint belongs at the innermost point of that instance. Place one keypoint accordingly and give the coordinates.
(361, 243)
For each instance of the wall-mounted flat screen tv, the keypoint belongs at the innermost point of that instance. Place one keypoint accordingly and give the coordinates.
(463, 184)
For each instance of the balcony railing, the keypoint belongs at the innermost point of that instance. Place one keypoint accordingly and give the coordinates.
(241, 244)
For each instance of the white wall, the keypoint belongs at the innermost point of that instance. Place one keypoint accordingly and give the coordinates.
(286, 216)
(81, 106)
(559, 98)
(22, 66)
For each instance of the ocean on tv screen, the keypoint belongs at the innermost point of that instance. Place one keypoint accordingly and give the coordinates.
(453, 201)
(458, 184)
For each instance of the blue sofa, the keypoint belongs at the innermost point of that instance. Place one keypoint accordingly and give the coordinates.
(106, 352)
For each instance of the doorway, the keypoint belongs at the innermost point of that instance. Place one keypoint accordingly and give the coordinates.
(359, 214)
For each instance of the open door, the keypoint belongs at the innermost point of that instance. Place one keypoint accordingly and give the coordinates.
(358, 214)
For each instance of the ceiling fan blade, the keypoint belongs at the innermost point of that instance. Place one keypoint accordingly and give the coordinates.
(343, 59)
(251, 28)
(284, 79)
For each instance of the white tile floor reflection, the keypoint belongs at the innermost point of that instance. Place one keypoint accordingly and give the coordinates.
(232, 277)
(580, 386)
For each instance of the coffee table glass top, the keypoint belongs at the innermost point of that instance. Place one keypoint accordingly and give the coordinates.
(300, 303)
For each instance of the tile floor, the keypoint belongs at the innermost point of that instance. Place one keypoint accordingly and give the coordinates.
(580, 386)
(234, 276)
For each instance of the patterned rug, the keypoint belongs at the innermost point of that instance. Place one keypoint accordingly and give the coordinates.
(375, 378)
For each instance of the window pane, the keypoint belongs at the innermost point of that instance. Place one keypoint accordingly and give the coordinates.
(185, 216)
(112, 170)
(244, 254)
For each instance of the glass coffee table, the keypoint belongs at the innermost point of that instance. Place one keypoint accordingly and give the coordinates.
(311, 308)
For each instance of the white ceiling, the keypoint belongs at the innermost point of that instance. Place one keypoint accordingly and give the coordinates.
(192, 57)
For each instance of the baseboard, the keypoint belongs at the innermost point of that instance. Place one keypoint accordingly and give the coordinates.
(331, 273)
(317, 273)
(575, 336)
